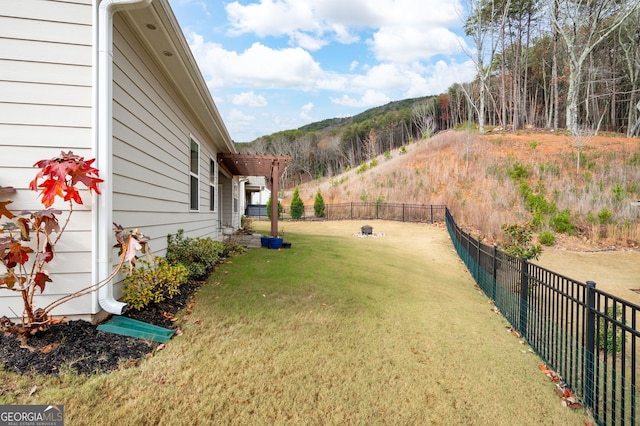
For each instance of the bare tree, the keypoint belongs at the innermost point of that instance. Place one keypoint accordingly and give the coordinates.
(424, 117)
(583, 24)
(479, 27)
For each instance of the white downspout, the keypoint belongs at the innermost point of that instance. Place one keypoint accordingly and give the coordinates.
(103, 208)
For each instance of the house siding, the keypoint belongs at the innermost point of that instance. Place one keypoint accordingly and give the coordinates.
(45, 107)
(152, 132)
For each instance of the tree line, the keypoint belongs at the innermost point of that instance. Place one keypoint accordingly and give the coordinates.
(565, 65)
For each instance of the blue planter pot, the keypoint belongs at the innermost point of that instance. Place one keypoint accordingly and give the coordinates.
(275, 243)
(264, 242)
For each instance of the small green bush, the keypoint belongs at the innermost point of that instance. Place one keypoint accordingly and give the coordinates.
(605, 216)
(280, 209)
(198, 255)
(606, 334)
(318, 205)
(373, 163)
(618, 193)
(297, 205)
(363, 168)
(519, 171)
(153, 282)
(561, 222)
(403, 150)
(519, 241)
(547, 238)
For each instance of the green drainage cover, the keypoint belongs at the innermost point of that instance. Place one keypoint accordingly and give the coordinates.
(134, 328)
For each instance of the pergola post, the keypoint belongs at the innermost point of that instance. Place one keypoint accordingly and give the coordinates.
(275, 211)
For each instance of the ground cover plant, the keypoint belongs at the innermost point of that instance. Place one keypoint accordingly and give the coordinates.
(336, 330)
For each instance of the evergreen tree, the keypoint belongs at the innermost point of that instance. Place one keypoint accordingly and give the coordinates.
(318, 205)
(269, 208)
(297, 206)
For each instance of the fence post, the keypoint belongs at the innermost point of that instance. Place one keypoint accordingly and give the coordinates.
(402, 212)
(351, 210)
(524, 296)
(495, 272)
(590, 346)
(431, 213)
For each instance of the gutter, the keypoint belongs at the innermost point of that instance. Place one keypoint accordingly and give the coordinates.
(102, 215)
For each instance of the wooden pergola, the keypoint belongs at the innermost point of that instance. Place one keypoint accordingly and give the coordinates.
(270, 166)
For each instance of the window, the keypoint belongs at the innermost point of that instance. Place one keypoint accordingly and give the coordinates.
(212, 185)
(235, 197)
(194, 176)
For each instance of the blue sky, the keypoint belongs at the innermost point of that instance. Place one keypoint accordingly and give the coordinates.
(274, 65)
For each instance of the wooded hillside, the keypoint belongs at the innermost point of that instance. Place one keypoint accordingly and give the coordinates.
(568, 66)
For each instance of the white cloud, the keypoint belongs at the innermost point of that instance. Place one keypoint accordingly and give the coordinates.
(249, 99)
(408, 44)
(354, 65)
(368, 99)
(307, 41)
(258, 66)
(306, 110)
(237, 122)
(308, 107)
(403, 25)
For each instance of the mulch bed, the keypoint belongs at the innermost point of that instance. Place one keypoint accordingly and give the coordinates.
(78, 345)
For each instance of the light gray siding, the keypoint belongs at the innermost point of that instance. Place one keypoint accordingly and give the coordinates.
(45, 107)
(152, 133)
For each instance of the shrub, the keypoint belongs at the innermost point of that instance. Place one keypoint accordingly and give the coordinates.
(606, 334)
(373, 163)
(547, 238)
(153, 282)
(198, 255)
(519, 241)
(318, 205)
(232, 248)
(363, 168)
(403, 150)
(280, 209)
(605, 216)
(618, 193)
(519, 171)
(297, 206)
(561, 222)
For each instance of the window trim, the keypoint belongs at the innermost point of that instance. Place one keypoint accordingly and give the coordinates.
(193, 175)
(213, 183)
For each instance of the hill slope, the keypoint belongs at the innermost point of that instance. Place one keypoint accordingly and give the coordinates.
(490, 180)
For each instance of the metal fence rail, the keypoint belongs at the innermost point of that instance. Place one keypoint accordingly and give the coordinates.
(589, 337)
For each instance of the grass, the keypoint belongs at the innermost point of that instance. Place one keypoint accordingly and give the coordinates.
(335, 330)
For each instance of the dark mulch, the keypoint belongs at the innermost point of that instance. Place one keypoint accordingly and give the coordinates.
(80, 347)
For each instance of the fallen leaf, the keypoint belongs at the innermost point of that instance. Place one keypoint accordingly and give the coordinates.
(29, 348)
(49, 348)
(178, 332)
(160, 347)
(33, 390)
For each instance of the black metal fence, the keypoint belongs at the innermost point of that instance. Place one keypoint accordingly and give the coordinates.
(370, 211)
(587, 336)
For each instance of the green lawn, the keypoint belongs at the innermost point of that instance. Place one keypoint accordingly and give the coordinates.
(335, 330)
